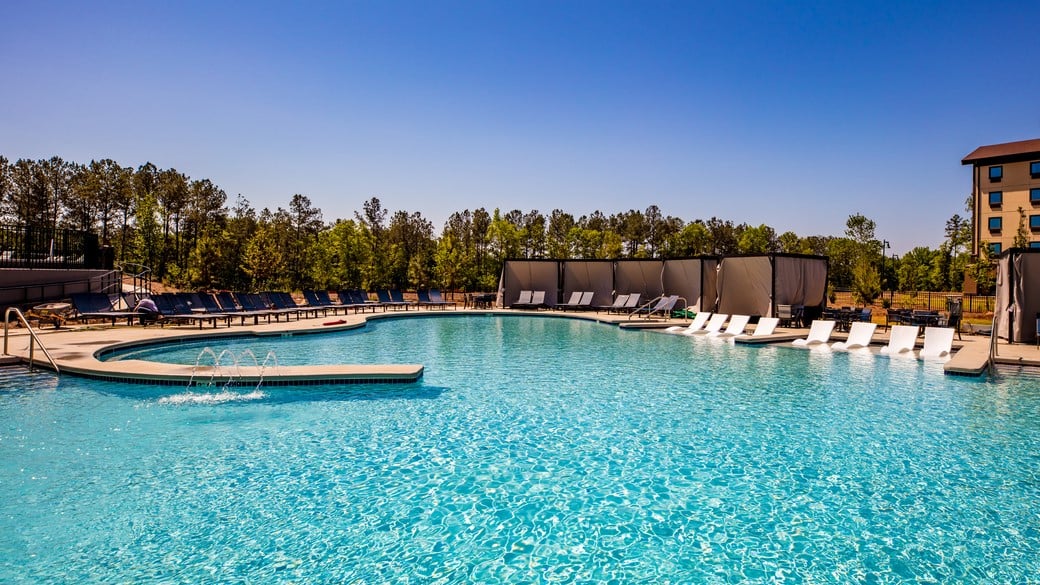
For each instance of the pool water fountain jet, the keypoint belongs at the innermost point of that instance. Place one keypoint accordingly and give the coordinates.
(270, 354)
(231, 374)
(198, 360)
(235, 372)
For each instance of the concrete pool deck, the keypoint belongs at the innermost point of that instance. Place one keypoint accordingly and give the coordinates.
(76, 349)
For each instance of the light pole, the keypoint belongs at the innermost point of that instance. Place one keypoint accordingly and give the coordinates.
(884, 279)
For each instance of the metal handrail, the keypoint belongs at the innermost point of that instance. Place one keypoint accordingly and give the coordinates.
(32, 334)
(993, 338)
(644, 307)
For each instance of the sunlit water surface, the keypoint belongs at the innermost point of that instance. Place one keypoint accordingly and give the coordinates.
(534, 450)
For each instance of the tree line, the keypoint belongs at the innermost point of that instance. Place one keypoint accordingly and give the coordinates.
(189, 235)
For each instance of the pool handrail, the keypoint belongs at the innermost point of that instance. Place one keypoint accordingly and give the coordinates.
(32, 334)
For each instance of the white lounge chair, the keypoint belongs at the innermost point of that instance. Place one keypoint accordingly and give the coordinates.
(819, 332)
(938, 341)
(696, 325)
(766, 326)
(737, 324)
(860, 335)
(901, 340)
(714, 325)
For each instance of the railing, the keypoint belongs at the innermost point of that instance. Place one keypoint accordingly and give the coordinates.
(141, 277)
(924, 300)
(993, 339)
(44, 247)
(32, 342)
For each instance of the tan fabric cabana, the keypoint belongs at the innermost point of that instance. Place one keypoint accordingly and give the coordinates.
(693, 279)
(1018, 295)
(745, 285)
(799, 280)
(589, 275)
(639, 276)
(754, 285)
(518, 275)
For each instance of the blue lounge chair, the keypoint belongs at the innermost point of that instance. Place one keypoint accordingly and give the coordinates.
(98, 306)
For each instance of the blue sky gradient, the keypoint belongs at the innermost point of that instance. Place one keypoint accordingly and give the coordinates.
(795, 114)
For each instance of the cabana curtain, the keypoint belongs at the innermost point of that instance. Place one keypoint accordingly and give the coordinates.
(742, 285)
(1018, 295)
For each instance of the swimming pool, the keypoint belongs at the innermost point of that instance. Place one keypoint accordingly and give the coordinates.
(534, 449)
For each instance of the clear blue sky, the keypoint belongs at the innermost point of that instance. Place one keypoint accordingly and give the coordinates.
(791, 114)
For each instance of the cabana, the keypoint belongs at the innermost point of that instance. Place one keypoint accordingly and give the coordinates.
(595, 276)
(639, 276)
(533, 275)
(693, 279)
(1018, 295)
(756, 284)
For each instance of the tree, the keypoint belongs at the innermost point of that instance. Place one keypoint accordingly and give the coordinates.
(372, 220)
(5, 183)
(758, 240)
(866, 282)
(790, 243)
(1022, 234)
(843, 254)
(60, 177)
(263, 260)
(305, 223)
(504, 237)
(410, 239)
(725, 237)
(171, 194)
(532, 227)
(29, 201)
(557, 244)
(692, 240)
(915, 270)
(860, 229)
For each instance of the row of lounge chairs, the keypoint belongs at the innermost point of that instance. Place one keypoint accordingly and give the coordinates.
(938, 341)
(225, 307)
(582, 301)
(710, 324)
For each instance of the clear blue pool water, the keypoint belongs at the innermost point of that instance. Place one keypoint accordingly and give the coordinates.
(533, 450)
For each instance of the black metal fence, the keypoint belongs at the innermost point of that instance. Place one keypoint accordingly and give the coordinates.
(925, 301)
(41, 247)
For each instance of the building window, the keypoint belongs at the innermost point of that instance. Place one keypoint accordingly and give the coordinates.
(1034, 196)
(996, 198)
(1034, 222)
(994, 249)
(995, 223)
(1034, 245)
(1034, 169)
(996, 174)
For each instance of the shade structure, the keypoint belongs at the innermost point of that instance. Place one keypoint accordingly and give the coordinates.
(799, 280)
(745, 285)
(534, 275)
(735, 285)
(639, 276)
(596, 276)
(1018, 295)
(693, 279)
(754, 285)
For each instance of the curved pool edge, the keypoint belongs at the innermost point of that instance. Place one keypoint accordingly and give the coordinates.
(76, 350)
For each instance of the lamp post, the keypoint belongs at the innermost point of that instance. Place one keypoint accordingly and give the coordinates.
(884, 246)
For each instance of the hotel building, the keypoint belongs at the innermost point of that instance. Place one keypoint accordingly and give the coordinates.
(1005, 179)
